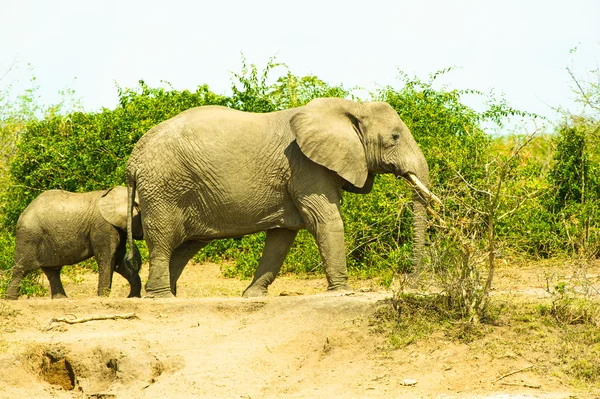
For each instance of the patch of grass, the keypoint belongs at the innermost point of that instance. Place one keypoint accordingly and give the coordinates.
(33, 284)
(410, 318)
(567, 346)
(561, 336)
(571, 306)
(74, 272)
(6, 311)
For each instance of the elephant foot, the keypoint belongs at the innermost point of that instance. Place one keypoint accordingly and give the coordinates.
(160, 294)
(59, 296)
(12, 293)
(254, 292)
(340, 288)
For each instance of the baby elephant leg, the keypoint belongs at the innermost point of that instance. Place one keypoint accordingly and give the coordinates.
(56, 288)
(18, 274)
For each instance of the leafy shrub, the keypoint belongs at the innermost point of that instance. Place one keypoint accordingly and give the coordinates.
(448, 131)
(574, 179)
(89, 151)
(83, 151)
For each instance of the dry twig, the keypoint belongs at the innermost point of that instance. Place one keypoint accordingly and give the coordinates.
(512, 373)
(76, 320)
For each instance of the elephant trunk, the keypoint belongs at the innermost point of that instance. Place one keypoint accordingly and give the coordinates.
(421, 195)
(419, 227)
(131, 259)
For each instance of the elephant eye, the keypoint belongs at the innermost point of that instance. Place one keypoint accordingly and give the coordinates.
(396, 137)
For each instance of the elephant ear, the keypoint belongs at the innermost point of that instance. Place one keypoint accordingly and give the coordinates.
(327, 131)
(113, 208)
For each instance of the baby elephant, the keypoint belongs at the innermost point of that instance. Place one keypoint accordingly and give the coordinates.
(62, 228)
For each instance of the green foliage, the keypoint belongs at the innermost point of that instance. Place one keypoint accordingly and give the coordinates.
(254, 91)
(379, 229)
(89, 151)
(7, 243)
(575, 175)
(575, 311)
(573, 198)
(294, 91)
(82, 151)
(15, 113)
(449, 132)
(85, 151)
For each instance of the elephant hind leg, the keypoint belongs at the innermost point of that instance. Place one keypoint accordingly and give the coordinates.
(180, 258)
(159, 282)
(57, 290)
(162, 240)
(277, 245)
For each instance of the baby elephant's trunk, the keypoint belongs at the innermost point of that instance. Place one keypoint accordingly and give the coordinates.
(130, 269)
(133, 257)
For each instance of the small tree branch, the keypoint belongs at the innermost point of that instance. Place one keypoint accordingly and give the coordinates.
(512, 373)
(583, 93)
(76, 320)
(471, 186)
(527, 198)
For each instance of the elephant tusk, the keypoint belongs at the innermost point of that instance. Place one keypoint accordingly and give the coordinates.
(415, 180)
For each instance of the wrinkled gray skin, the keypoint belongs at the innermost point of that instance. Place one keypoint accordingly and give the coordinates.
(62, 228)
(212, 172)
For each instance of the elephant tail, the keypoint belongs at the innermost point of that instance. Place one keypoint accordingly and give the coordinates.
(131, 189)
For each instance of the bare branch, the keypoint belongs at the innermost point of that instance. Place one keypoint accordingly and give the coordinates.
(76, 320)
(471, 186)
(9, 69)
(512, 373)
(583, 93)
(527, 198)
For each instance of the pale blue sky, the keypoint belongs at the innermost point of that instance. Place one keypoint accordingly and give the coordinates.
(516, 47)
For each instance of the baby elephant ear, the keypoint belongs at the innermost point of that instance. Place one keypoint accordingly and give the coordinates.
(113, 207)
(326, 131)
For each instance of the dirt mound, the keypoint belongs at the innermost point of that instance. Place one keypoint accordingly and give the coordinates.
(293, 346)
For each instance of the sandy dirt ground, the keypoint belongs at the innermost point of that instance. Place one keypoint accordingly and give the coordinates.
(210, 343)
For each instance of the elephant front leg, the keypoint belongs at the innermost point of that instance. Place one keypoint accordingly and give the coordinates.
(330, 241)
(13, 289)
(277, 246)
(106, 262)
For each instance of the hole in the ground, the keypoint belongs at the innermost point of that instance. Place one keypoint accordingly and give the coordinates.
(57, 370)
(102, 396)
(113, 365)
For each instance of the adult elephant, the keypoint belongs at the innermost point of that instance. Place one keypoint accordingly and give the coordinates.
(62, 228)
(212, 172)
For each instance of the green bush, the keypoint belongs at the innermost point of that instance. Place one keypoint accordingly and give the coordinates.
(83, 151)
(574, 179)
(89, 151)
